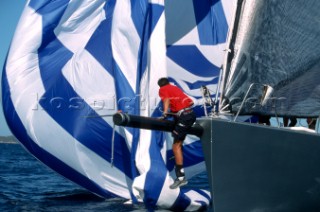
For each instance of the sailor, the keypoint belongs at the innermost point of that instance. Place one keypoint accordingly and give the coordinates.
(293, 121)
(180, 106)
(265, 120)
(312, 123)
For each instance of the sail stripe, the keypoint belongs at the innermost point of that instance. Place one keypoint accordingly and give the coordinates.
(68, 118)
(100, 47)
(157, 168)
(185, 56)
(181, 203)
(211, 13)
(138, 14)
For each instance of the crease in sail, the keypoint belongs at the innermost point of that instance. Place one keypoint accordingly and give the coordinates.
(86, 59)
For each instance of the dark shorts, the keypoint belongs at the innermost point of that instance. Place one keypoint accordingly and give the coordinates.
(183, 124)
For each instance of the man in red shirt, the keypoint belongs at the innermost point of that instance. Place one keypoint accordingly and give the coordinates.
(180, 105)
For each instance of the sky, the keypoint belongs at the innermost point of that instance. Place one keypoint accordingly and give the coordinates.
(10, 11)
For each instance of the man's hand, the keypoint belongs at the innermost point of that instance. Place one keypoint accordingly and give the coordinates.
(164, 116)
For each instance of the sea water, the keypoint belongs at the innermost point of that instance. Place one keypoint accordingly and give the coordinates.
(28, 185)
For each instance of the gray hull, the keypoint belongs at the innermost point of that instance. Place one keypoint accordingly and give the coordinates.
(257, 168)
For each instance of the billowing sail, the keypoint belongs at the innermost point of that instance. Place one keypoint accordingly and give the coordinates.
(275, 43)
(196, 42)
(73, 63)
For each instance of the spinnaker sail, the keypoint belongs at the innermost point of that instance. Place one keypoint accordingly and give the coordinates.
(72, 64)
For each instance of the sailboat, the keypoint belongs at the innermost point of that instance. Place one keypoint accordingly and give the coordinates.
(253, 167)
(68, 59)
(72, 64)
(271, 70)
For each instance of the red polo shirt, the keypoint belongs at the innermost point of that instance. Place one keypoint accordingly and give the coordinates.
(178, 100)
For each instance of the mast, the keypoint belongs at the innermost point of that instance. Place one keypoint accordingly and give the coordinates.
(230, 51)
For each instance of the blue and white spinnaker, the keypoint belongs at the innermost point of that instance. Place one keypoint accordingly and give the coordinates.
(73, 62)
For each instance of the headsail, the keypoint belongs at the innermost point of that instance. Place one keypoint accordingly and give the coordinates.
(275, 43)
(72, 60)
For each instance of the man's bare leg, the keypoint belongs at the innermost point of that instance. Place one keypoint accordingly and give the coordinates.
(178, 154)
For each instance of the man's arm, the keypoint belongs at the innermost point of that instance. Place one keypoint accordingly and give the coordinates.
(166, 105)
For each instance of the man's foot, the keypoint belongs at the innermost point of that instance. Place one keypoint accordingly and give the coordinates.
(177, 183)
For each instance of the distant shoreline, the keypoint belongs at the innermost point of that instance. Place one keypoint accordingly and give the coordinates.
(8, 140)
